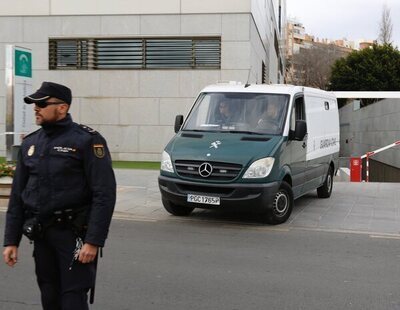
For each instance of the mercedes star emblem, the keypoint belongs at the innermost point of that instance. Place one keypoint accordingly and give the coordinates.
(205, 170)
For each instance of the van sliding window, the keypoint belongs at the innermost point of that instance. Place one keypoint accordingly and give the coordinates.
(299, 106)
(298, 112)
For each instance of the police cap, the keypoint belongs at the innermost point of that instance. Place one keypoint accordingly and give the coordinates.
(48, 90)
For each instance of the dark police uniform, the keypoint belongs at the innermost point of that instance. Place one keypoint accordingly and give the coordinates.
(62, 166)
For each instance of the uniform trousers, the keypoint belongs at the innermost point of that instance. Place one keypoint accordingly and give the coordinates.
(61, 287)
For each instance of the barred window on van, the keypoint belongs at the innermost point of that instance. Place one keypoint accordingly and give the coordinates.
(135, 53)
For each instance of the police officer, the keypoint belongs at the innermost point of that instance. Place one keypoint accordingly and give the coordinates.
(62, 198)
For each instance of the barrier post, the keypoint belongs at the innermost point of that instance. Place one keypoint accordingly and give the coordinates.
(355, 169)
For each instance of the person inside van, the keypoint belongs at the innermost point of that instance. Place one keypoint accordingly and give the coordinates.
(227, 113)
(270, 117)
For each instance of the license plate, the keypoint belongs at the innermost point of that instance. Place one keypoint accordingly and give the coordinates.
(208, 200)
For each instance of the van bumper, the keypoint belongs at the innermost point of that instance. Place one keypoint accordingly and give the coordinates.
(244, 196)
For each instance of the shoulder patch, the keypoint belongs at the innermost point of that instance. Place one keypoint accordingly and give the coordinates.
(99, 150)
(88, 129)
(31, 133)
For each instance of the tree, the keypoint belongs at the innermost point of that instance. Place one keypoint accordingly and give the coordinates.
(312, 66)
(370, 69)
(385, 27)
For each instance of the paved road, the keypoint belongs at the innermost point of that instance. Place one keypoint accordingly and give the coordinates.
(180, 265)
(337, 253)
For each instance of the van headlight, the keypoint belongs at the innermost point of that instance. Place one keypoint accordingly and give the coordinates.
(166, 164)
(260, 168)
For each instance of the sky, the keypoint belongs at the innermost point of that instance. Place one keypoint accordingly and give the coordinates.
(350, 19)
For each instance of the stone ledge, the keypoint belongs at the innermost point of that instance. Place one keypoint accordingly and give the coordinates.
(5, 190)
(3, 204)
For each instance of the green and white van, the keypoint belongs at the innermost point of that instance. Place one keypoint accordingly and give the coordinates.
(252, 160)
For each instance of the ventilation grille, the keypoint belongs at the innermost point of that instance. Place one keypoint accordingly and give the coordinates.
(135, 53)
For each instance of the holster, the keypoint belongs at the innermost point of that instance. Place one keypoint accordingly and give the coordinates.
(32, 228)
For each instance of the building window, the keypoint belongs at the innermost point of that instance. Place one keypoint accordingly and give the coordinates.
(264, 75)
(135, 53)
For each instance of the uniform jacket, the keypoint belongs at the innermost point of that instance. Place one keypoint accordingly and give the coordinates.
(62, 166)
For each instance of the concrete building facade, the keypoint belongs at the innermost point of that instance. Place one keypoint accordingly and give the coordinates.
(135, 107)
(369, 128)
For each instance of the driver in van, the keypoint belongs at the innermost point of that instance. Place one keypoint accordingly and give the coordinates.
(226, 112)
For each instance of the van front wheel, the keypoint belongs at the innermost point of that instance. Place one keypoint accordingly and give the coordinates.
(325, 190)
(282, 205)
(175, 209)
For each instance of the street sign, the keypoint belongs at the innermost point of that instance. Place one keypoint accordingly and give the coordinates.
(23, 63)
(19, 116)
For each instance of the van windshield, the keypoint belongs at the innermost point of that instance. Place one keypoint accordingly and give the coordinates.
(257, 113)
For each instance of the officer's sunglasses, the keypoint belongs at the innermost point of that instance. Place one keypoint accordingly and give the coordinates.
(44, 104)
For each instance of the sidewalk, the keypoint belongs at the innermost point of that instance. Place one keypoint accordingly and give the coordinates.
(138, 194)
(357, 207)
(371, 208)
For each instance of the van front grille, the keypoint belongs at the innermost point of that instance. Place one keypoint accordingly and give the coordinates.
(218, 172)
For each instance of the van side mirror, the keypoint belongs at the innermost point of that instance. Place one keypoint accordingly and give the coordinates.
(178, 122)
(299, 132)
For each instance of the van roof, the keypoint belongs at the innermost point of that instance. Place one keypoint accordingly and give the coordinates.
(263, 88)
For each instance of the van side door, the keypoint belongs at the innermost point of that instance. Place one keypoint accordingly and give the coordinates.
(322, 140)
(297, 149)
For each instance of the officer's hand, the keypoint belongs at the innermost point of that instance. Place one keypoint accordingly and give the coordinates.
(88, 253)
(10, 255)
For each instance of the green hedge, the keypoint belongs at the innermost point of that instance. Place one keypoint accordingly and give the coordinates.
(152, 165)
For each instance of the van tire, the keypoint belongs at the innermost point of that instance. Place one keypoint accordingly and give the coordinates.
(281, 206)
(175, 209)
(325, 190)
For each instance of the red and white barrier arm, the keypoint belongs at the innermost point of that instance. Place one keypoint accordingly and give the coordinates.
(369, 154)
(381, 149)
